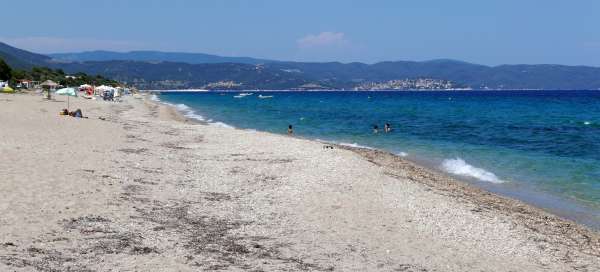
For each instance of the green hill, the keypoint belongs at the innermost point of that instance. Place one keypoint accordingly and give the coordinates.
(22, 59)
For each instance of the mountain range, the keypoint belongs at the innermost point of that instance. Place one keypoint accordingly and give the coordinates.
(22, 59)
(168, 70)
(152, 56)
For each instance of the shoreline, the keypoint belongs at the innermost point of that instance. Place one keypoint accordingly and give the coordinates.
(563, 212)
(375, 90)
(146, 189)
(535, 218)
(532, 216)
(528, 214)
(437, 178)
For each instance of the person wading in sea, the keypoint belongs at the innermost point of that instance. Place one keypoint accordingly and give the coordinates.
(290, 130)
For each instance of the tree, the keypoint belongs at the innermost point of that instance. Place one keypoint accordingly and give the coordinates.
(5, 70)
(20, 74)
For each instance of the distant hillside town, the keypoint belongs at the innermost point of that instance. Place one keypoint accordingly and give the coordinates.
(410, 84)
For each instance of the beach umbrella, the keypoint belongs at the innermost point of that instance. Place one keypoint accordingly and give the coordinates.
(68, 92)
(49, 85)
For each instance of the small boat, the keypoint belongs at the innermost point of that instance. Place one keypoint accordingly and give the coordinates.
(264, 96)
(241, 95)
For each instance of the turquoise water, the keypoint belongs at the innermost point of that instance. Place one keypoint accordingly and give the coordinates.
(539, 146)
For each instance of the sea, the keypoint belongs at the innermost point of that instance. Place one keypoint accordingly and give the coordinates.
(541, 147)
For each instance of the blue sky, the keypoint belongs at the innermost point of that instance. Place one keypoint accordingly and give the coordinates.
(487, 32)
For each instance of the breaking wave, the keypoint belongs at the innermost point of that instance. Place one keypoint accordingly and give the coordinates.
(459, 167)
(354, 145)
(189, 112)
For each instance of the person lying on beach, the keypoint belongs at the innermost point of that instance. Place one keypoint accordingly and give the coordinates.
(77, 114)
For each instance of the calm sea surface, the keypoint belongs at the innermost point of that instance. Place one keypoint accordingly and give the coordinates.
(542, 147)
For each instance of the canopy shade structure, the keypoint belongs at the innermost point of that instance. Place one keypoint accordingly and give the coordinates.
(49, 83)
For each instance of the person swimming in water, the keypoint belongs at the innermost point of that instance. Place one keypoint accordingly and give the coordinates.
(290, 130)
(387, 128)
(375, 129)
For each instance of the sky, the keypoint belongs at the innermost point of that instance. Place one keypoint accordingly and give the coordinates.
(490, 32)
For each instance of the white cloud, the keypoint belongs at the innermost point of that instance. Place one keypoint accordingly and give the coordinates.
(323, 39)
(41, 44)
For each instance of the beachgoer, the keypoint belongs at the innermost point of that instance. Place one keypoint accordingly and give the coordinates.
(64, 112)
(387, 128)
(375, 129)
(290, 130)
(77, 113)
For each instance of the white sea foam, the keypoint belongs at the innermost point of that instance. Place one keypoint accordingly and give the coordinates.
(189, 112)
(193, 115)
(402, 154)
(459, 167)
(182, 107)
(154, 97)
(221, 124)
(355, 145)
(587, 123)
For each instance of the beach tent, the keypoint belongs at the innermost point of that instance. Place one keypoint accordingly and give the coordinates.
(7, 89)
(104, 88)
(68, 92)
(101, 89)
(88, 89)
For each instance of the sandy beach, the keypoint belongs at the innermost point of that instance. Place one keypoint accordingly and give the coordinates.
(144, 189)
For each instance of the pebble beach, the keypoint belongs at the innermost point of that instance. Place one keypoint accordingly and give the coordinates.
(138, 187)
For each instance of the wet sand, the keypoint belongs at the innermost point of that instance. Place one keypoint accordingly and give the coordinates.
(145, 189)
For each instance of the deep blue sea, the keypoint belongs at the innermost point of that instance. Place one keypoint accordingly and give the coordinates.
(542, 147)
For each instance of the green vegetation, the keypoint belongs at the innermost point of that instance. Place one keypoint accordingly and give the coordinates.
(5, 70)
(57, 75)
